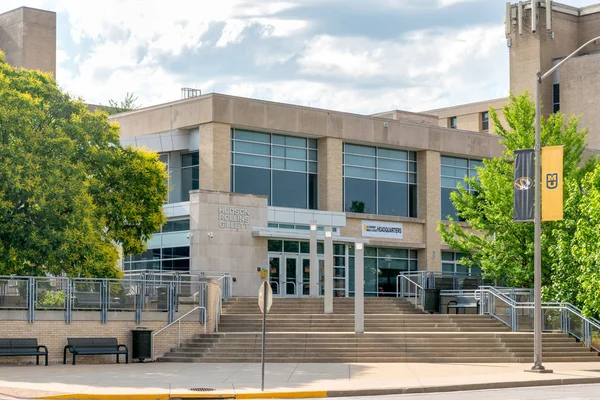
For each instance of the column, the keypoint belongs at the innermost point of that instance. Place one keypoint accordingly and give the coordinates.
(314, 261)
(359, 288)
(330, 174)
(328, 271)
(429, 192)
(215, 157)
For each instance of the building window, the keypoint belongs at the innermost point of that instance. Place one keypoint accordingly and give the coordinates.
(298, 227)
(451, 265)
(555, 97)
(161, 259)
(284, 168)
(380, 181)
(382, 266)
(453, 173)
(183, 174)
(190, 174)
(485, 121)
(452, 122)
(179, 225)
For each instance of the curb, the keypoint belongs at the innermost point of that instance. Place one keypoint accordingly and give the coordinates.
(329, 393)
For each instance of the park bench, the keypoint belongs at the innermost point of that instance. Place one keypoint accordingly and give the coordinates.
(95, 346)
(23, 347)
(462, 302)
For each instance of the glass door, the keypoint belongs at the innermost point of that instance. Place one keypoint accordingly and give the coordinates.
(275, 275)
(292, 277)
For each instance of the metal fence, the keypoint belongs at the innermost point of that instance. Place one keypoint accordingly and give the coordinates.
(68, 295)
(556, 317)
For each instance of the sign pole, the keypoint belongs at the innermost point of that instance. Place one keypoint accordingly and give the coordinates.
(264, 331)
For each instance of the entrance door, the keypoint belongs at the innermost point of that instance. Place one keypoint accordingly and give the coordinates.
(292, 277)
(305, 271)
(275, 275)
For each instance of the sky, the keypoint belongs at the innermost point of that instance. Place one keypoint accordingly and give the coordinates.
(362, 56)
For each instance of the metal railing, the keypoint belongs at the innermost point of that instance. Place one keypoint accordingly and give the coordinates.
(407, 287)
(105, 296)
(178, 322)
(556, 317)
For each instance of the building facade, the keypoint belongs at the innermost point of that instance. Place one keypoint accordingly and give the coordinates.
(28, 38)
(248, 178)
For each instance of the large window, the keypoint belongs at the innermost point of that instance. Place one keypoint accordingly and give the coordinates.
(451, 264)
(452, 123)
(454, 171)
(380, 181)
(161, 259)
(382, 266)
(281, 167)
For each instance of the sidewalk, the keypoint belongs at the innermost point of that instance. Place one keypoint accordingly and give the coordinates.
(159, 380)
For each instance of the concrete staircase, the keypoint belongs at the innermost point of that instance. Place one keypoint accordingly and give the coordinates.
(395, 331)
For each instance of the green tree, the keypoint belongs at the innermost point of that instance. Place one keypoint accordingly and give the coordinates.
(503, 248)
(70, 194)
(127, 104)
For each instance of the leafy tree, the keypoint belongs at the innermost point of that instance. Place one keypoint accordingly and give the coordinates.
(70, 194)
(127, 104)
(503, 248)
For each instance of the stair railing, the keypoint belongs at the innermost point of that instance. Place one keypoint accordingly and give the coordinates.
(556, 317)
(202, 320)
(404, 284)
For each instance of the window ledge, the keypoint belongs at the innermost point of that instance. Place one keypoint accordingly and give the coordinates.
(459, 223)
(389, 218)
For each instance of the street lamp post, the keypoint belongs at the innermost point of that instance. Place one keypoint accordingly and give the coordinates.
(537, 255)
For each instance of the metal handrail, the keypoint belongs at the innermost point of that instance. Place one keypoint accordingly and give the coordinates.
(411, 282)
(178, 321)
(586, 323)
(218, 311)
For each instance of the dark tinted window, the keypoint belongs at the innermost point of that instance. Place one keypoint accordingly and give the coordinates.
(252, 180)
(360, 195)
(289, 189)
(393, 199)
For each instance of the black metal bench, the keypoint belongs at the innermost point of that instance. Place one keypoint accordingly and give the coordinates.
(23, 347)
(95, 346)
(462, 302)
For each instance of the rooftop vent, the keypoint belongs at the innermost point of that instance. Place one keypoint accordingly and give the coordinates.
(188, 93)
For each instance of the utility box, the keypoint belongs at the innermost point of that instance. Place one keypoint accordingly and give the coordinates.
(141, 343)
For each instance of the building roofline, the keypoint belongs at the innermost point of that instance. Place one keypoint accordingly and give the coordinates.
(500, 99)
(221, 95)
(28, 8)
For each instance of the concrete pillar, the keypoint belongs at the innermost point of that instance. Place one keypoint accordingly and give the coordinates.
(215, 157)
(331, 194)
(429, 192)
(328, 271)
(359, 288)
(314, 261)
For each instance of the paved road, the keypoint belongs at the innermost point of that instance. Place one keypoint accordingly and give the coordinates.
(566, 392)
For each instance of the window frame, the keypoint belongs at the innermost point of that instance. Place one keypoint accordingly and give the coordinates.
(411, 172)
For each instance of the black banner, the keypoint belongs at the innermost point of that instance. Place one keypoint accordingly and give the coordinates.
(523, 185)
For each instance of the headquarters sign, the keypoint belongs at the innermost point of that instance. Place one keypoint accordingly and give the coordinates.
(386, 230)
(523, 185)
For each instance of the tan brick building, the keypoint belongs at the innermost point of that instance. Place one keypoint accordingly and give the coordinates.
(265, 171)
(28, 38)
(573, 90)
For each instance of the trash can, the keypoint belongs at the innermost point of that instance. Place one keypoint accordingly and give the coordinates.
(432, 300)
(141, 343)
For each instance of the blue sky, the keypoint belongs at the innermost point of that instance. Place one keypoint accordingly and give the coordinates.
(361, 56)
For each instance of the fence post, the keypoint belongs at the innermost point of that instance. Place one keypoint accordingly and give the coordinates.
(31, 297)
(68, 292)
(103, 301)
(171, 295)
